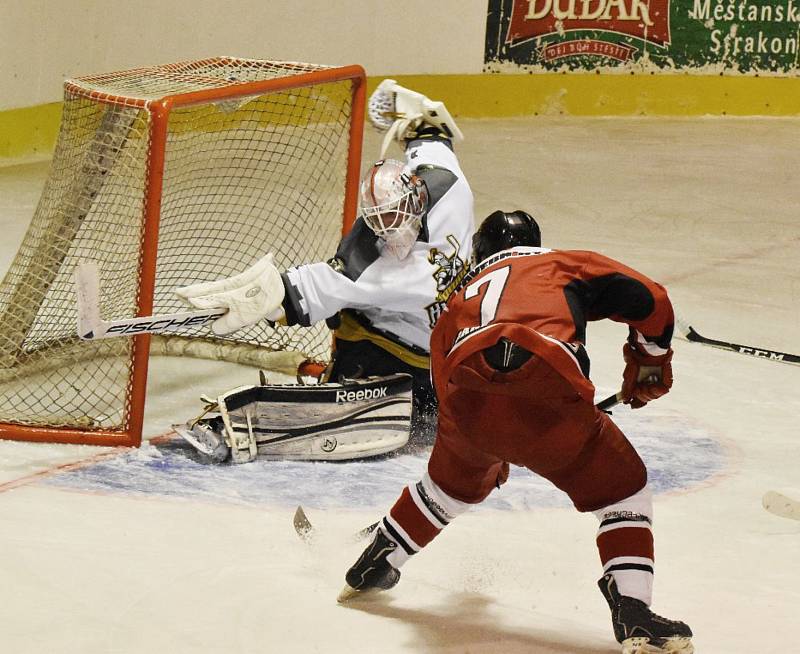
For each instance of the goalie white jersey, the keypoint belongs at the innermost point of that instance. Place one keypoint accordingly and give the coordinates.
(401, 300)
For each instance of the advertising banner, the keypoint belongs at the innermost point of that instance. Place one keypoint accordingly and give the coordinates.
(700, 36)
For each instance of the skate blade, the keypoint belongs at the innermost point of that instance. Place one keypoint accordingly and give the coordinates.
(346, 594)
(674, 645)
(349, 593)
(188, 435)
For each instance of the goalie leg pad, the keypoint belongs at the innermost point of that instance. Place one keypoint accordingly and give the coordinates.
(240, 436)
(353, 419)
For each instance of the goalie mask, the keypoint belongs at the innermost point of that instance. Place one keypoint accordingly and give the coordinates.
(503, 230)
(393, 202)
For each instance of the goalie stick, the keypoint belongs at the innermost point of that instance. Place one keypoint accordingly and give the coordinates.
(691, 334)
(781, 505)
(305, 530)
(91, 326)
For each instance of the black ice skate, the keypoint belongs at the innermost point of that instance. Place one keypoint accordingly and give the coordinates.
(372, 572)
(638, 629)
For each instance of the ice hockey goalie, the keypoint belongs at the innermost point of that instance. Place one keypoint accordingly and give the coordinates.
(352, 419)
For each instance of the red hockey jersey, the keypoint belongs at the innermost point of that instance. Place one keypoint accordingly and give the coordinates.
(542, 300)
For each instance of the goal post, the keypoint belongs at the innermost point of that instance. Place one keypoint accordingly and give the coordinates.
(166, 176)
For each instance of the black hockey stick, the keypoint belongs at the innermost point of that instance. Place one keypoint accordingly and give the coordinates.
(610, 401)
(304, 528)
(759, 352)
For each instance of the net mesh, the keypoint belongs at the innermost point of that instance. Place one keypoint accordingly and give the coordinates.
(242, 176)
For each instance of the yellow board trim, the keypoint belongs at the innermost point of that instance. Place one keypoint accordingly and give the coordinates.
(33, 130)
(30, 131)
(504, 96)
(351, 330)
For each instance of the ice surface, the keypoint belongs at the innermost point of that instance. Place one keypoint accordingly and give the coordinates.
(148, 550)
(679, 456)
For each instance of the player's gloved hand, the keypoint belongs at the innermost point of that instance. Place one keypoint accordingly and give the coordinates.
(646, 377)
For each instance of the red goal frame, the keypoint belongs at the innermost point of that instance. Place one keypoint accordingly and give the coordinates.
(160, 113)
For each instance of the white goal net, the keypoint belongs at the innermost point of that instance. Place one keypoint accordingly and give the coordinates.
(167, 176)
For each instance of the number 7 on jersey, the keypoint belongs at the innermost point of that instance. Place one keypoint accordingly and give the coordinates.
(491, 298)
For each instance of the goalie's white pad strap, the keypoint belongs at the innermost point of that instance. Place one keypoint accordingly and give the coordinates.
(239, 434)
(250, 296)
(396, 131)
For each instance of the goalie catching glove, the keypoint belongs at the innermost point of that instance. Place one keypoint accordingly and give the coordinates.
(354, 419)
(646, 376)
(253, 295)
(403, 112)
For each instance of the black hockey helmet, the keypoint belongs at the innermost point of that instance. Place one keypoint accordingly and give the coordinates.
(502, 230)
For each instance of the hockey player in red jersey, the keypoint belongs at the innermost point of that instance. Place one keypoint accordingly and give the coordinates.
(512, 377)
